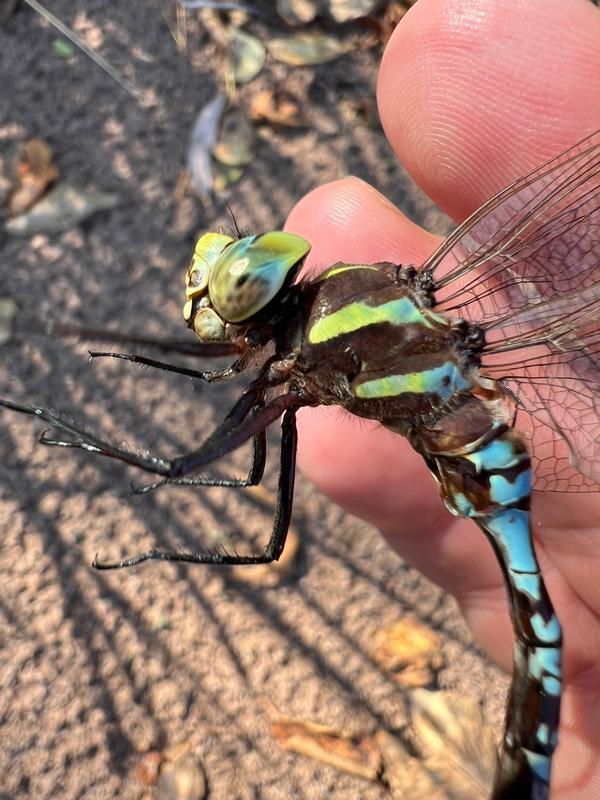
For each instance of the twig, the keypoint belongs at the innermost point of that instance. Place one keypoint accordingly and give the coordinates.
(100, 60)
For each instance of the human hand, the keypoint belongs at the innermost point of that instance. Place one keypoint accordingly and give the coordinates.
(471, 95)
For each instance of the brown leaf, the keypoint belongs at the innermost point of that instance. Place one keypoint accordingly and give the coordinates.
(392, 16)
(277, 107)
(357, 755)
(409, 649)
(348, 10)
(235, 143)
(34, 172)
(181, 779)
(63, 207)
(405, 775)
(298, 12)
(146, 770)
(308, 49)
(457, 745)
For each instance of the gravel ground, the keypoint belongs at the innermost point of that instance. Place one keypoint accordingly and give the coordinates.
(96, 668)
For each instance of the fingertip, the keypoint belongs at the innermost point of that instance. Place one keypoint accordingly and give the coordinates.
(474, 94)
(348, 220)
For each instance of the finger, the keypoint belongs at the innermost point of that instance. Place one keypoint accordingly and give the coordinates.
(475, 94)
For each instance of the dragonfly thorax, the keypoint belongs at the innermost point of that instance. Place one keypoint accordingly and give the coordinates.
(231, 281)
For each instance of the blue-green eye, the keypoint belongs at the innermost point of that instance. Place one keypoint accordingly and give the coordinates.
(250, 272)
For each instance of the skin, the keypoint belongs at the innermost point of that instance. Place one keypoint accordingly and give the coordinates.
(471, 94)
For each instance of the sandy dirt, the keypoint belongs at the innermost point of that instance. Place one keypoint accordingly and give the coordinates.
(96, 668)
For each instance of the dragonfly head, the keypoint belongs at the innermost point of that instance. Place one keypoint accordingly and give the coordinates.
(230, 281)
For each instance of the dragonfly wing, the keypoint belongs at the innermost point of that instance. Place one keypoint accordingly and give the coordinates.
(538, 237)
(526, 269)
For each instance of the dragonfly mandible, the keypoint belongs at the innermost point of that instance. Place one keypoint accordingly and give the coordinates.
(501, 324)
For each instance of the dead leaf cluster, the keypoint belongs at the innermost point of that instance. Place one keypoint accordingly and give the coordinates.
(223, 135)
(447, 751)
(173, 774)
(35, 201)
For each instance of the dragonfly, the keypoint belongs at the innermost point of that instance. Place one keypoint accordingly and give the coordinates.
(485, 357)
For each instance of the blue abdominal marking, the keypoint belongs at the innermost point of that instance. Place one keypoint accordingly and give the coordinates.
(546, 630)
(540, 764)
(498, 454)
(505, 492)
(510, 528)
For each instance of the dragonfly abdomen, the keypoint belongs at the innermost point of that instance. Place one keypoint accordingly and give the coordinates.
(489, 480)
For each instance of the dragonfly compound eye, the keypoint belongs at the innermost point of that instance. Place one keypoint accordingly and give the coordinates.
(250, 273)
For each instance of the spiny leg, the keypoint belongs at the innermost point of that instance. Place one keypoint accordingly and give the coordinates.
(210, 376)
(281, 519)
(533, 709)
(255, 473)
(246, 419)
(213, 375)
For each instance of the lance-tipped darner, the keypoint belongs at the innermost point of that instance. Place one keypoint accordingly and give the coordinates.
(500, 325)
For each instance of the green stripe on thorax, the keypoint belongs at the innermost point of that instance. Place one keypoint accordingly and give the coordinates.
(354, 316)
(443, 381)
(338, 269)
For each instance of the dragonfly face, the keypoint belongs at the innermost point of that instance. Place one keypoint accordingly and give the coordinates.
(230, 281)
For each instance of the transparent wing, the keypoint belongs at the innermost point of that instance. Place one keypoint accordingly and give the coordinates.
(548, 358)
(538, 237)
(526, 268)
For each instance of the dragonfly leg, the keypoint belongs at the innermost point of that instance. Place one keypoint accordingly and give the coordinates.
(255, 473)
(233, 431)
(210, 376)
(534, 700)
(281, 519)
(248, 419)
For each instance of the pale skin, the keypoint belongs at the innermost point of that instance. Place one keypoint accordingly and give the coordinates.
(472, 94)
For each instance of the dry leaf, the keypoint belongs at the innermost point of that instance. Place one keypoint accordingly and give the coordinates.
(235, 143)
(457, 745)
(202, 140)
(175, 773)
(403, 773)
(347, 10)
(181, 779)
(270, 575)
(357, 755)
(34, 172)
(246, 54)
(278, 107)
(298, 12)
(409, 649)
(8, 312)
(63, 207)
(146, 770)
(307, 49)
